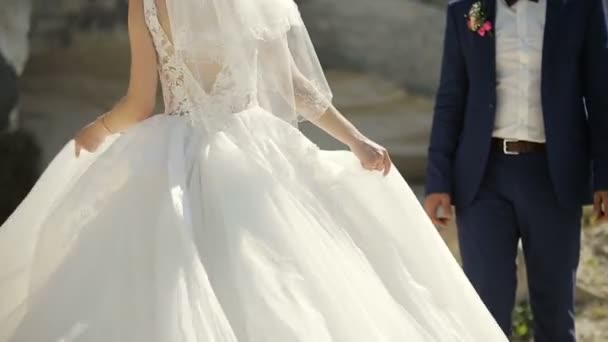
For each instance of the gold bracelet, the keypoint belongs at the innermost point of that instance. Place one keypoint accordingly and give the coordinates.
(103, 123)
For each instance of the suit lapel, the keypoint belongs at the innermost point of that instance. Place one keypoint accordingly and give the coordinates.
(486, 47)
(552, 21)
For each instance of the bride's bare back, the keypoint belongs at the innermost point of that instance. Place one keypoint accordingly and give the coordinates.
(211, 69)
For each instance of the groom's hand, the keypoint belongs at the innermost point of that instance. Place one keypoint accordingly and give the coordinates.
(436, 202)
(600, 206)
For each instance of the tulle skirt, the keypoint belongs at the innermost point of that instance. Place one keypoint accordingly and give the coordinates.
(249, 233)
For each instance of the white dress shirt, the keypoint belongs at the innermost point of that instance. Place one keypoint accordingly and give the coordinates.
(519, 48)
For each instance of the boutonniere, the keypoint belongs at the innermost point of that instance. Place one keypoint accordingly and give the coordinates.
(477, 20)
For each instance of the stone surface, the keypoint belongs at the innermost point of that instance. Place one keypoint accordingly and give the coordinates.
(56, 23)
(8, 95)
(592, 315)
(14, 49)
(398, 39)
(593, 275)
(14, 29)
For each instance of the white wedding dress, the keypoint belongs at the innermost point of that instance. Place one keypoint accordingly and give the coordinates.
(234, 229)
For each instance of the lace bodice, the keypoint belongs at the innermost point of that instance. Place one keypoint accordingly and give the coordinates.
(219, 58)
(182, 94)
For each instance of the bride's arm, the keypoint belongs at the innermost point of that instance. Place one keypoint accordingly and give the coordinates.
(309, 100)
(314, 106)
(140, 99)
(335, 124)
(312, 100)
(372, 155)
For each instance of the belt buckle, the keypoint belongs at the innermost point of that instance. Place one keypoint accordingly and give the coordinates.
(505, 147)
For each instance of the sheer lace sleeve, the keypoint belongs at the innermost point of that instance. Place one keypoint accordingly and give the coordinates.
(290, 78)
(310, 98)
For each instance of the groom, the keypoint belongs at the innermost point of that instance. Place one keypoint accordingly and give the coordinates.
(520, 132)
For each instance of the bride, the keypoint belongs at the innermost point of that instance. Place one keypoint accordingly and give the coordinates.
(219, 221)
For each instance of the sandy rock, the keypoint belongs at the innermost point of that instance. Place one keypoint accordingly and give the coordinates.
(398, 39)
(14, 29)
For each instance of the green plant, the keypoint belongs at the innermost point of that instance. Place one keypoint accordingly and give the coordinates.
(523, 329)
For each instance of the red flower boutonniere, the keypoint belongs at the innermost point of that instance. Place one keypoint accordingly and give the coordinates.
(477, 20)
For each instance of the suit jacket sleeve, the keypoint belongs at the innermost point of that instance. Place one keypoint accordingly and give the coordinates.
(595, 64)
(449, 110)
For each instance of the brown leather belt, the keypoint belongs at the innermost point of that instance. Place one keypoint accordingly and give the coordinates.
(515, 147)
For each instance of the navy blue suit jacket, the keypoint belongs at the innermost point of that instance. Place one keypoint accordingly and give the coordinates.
(574, 99)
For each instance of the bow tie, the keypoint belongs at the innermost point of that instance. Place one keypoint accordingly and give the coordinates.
(513, 2)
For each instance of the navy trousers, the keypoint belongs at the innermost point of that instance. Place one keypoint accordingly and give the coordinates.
(517, 202)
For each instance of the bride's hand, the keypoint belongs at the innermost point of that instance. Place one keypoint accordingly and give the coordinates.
(372, 156)
(91, 136)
